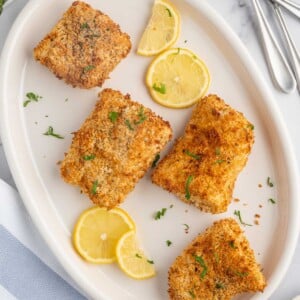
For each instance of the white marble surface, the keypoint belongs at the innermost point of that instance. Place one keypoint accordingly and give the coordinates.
(238, 13)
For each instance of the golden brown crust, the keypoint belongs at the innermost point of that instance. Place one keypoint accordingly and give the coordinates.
(122, 147)
(221, 138)
(83, 47)
(218, 264)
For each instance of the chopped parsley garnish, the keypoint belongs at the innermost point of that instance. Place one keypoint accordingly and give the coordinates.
(169, 12)
(219, 161)
(138, 255)
(218, 151)
(195, 156)
(169, 243)
(150, 261)
(272, 201)
(50, 132)
(178, 51)
(269, 182)
(231, 244)
(141, 116)
(192, 294)
(2, 2)
(219, 285)
(251, 126)
(128, 124)
(84, 26)
(89, 157)
(241, 274)
(187, 187)
(94, 187)
(88, 68)
(155, 161)
(160, 213)
(161, 88)
(238, 214)
(31, 97)
(113, 116)
(201, 261)
(187, 227)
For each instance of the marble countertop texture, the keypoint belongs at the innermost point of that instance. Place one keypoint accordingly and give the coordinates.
(239, 15)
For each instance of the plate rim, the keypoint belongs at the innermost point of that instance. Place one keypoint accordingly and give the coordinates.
(235, 44)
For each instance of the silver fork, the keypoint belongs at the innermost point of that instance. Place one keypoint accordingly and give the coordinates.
(292, 7)
(280, 70)
(294, 54)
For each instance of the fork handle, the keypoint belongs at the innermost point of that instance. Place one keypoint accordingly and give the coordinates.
(292, 7)
(279, 68)
(294, 54)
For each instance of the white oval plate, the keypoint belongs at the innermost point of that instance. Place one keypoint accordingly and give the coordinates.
(54, 205)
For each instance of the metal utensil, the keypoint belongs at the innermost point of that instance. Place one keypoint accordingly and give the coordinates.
(280, 70)
(294, 54)
(292, 7)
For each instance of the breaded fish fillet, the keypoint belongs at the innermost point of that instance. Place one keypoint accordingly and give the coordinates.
(114, 148)
(218, 265)
(83, 47)
(204, 163)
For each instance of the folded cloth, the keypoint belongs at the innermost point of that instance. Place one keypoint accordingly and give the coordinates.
(28, 270)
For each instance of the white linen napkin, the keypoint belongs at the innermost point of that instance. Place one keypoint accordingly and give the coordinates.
(28, 270)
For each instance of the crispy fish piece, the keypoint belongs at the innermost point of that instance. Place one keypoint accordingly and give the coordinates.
(83, 47)
(204, 163)
(114, 148)
(218, 264)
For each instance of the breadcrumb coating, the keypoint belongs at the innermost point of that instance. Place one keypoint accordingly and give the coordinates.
(204, 163)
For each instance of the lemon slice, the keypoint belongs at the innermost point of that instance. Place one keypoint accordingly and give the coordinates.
(98, 231)
(162, 30)
(132, 259)
(177, 78)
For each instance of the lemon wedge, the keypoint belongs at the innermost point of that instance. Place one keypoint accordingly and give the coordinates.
(177, 78)
(132, 259)
(98, 231)
(162, 30)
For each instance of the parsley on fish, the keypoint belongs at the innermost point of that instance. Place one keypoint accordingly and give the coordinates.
(89, 157)
(50, 132)
(128, 124)
(113, 116)
(88, 68)
(187, 187)
(94, 187)
(155, 161)
(193, 155)
(201, 261)
(142, 117)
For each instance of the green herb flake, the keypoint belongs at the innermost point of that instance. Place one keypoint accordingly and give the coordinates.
(186, 228)
(185, 41)
(187, 187)
(241, 274)
(169, 12)
(219, 161)
(50, 132)
(193, 155)
(155, 161)
(142, 117)
(218, 151)
(88, 68)
(269, 182)
(113, 116)
(178, 51)
(31, 97)
(2, 2)
(192, 294)
(251, 126)
(161, 88)
(231, 244)
(84, 26)
(150, 261)
(89, 157)
(94, 187)
(219, 285)
(201, 261)
(169, 243)
(272, 201)
(128, 124)
(138, 255)
(238, 214)
(171, 206)
(160, 213)
(67, 99)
